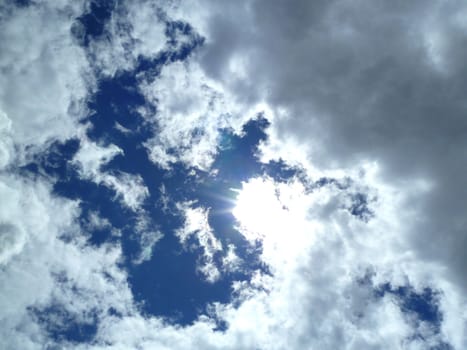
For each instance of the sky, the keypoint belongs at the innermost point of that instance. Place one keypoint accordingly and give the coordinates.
(250, 174)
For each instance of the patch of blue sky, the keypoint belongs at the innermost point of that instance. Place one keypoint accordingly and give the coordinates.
(63, 326)
(422, 305)
(167, 285)
(91, 24)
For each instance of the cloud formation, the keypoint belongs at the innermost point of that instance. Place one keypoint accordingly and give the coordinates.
(37, 47)
(355, 82)
(365, 98)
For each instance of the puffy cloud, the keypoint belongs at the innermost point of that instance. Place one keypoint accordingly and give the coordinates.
(231, 262)
(45, 77)
(38, 267)
(12, 241)
(191, 112)
(315, 296)
(44, 257)
(96, 222)
(321, 290)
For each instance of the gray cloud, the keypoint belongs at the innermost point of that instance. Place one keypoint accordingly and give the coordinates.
(359, 81)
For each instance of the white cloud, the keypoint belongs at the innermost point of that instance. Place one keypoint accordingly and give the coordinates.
(35, 220)
(45, 76)
(148, 241)
(231, 262)
(133, 32)
(96, 222)
(90, 158)
(314, 297)
(196, 224)
(191, 111)
(190, 108)
(12, 241)
(6, 142)
(146, 236)
(130, 188)
(122, 129)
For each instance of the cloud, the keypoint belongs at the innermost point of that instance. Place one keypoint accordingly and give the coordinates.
(135, 30)
(12, 241)
(231, 262)
(129, 188)
(31, 224)
(6, 143)
(196, 224)
(315, 294)
(146, 236)
(45, 77)
(184, 108)
(366, 94)
(94, 221)
(351, 83)
(148, 241)
(45, 82)
(191, 112)
(313, 297)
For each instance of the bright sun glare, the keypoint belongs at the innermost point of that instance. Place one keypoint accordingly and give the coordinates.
(257, 208)
(275, 214)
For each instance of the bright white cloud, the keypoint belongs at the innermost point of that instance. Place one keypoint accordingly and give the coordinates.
(45, 77)
(191, 111)
(91, 157)
(314, 297)
(231, 262)
(33, 256)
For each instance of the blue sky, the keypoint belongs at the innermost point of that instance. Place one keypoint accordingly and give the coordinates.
(217, 175)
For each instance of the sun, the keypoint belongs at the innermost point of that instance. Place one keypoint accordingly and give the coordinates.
(257, 208)
(276, 214)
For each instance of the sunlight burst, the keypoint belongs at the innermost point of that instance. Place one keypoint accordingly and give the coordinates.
(258, 209)
(275, 214)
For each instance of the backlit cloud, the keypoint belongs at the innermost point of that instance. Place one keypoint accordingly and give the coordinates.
(233, 175)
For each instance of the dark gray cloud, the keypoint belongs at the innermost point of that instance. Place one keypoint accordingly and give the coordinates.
(362, 81)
